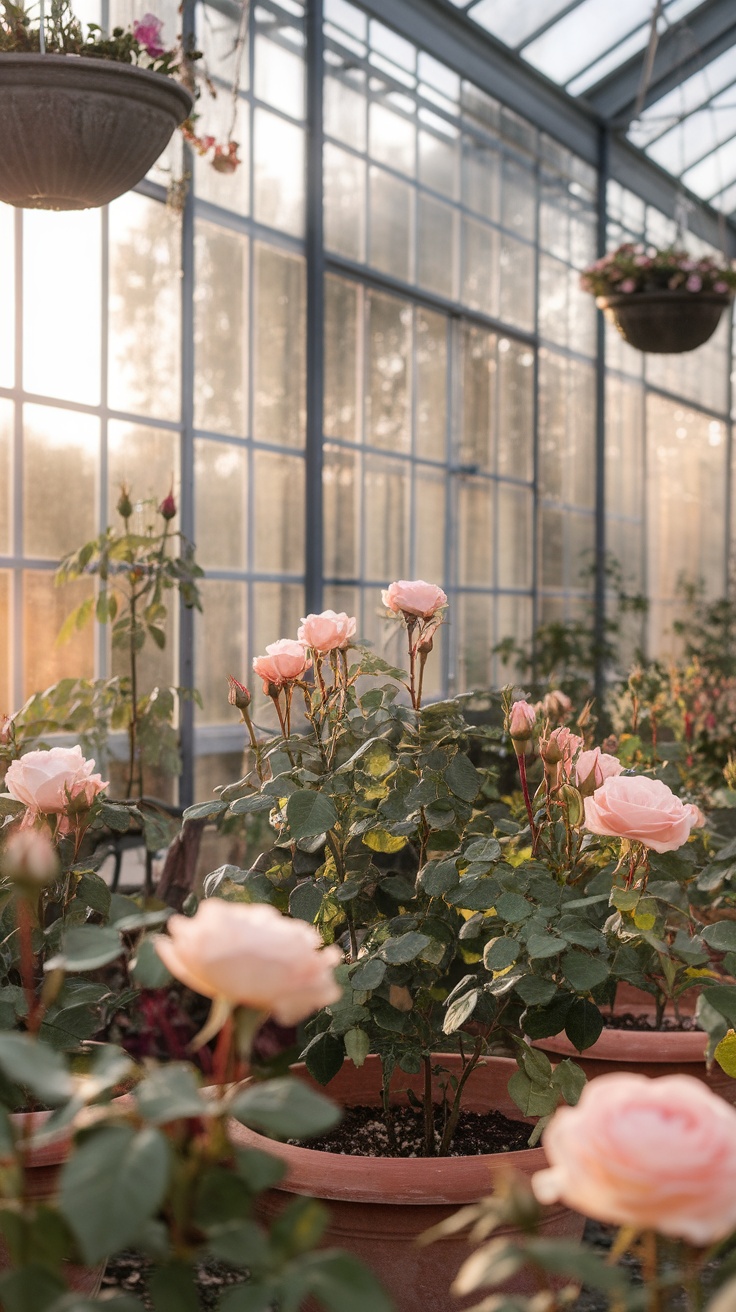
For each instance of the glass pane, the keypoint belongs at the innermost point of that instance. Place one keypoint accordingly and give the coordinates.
(217, 33)
(478, 383)
(551, 548)
(624, 447)
(481, 177)
(513, 620)
(342, 300)
(226, 122)
(475, 532)
(59, 511)
(279, 364)
(519, 198)
(436, 242)
(515, 448)
(517, 283)
(210, 772)
(147, 459)
(277, 610)
(279, 77)
(515, 510)
(7, 295)
(480, 267)
(62, 311)
(6, 631)
(278, 513)
(221, 648)
(438, 161)
(145, 308)
(278, 173)
(220, 330)
(390, 224)
(221, 505)
(387, 517)
(7, 425)
(45, 607)
(344, 192)
(392, 139)
(430, 511)
(431, 384)
(388, 416)
(580, 447)
(475, 641)
(341, 491)
(345, 108)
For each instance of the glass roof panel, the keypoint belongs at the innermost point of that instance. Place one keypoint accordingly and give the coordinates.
(689, 96)
(583, 35)
(698, 134)
(513, 21)
(713, 174)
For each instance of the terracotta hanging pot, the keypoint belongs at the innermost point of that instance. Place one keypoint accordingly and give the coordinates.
(665, 322)
(380, 1205)
(77, 132)
(42, 1166)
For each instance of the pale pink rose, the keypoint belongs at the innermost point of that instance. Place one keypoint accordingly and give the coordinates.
(641, 809)
(415, 598)
(147, 32)
(285, 660)
(252, 956)
(567, 742)
(522, 719)
(597, 764)
(47, 781)
(699, 819)
(327, 631)
(654, 1154)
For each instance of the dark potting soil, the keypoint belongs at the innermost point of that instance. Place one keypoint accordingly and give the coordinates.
(626, 1020)
(129, 1272)
(363, 1133)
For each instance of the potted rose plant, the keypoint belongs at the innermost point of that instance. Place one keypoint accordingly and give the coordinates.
(663, 301)
(385, 840)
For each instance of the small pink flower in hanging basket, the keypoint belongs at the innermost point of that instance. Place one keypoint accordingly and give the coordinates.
(225, 158)
(147, 32)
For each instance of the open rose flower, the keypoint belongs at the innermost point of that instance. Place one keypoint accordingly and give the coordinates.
(47, 781)
(147, 32)
(415, 599)
(284, 660)
(641, 809)
(328, 631)
(593, 767)
(654, 1154)
(251, 956)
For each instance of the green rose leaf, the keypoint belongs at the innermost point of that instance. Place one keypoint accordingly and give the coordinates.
(171, 1093)
(721, 935)
(438, 877)
(357, 1045)
(324, 1057)
(305, 901)
(369, 975)
(513, 907)
(500, 953)
(114, 1182)
(584, 1024)
(310, 814)
(459, 1011)
(462, 778)
(398, 951)
(36, 1067)
(483, 849)
(148, 970)
(583, 972)
(86, 947)
(284, 1109)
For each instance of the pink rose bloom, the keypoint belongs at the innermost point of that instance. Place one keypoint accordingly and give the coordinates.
(147, 32)
(628, 285)
(285, 660)
(598, 764)
(694, 283)
(522, 719)
(328, 631)
(46, 782)
(416, 598)
(641, 809)
(555, 704)
(252, 956)
(29, 857)
(654, 1154)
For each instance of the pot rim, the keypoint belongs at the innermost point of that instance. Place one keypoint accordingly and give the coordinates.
(17, 63)
(419, 1181)
(615, 299)
(653, 1047)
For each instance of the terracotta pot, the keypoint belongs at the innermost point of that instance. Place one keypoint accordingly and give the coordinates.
(665, 322)
(379, 1206)
(77, 132)
(43, 1165)
(647, 1052)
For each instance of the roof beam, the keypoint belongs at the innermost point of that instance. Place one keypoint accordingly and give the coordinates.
(683, 49)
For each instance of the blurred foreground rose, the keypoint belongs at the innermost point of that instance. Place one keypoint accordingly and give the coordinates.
(47, 781)
(252, 956)
(641, 809)
(414, 598)
(284, 660)
(327, 631)
(654, 1154)
(29, 857)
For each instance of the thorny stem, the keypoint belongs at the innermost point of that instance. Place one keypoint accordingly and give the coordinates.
(452, 1119)
(223, 1055)
(410, 627)
(527, 801)
(648, 1252)
(133, 722)
(341, 874)
(28, 965)
(245, 717)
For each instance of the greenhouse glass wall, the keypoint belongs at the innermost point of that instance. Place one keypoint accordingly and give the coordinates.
(363, 356)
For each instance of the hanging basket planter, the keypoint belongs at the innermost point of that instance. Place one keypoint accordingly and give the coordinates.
(78, 132)
(665, 322)
(663, 302)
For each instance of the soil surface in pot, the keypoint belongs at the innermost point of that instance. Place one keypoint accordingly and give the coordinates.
(626, 1020)
(362, 1133)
